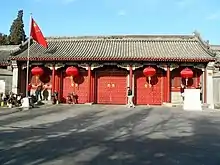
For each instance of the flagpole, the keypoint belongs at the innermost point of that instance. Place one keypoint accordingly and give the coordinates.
(28, 55)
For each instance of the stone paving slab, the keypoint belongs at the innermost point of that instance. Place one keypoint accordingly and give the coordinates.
(45, 115)
(7, 111)
(98, 134)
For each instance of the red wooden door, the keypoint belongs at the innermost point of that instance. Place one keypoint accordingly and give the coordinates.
(146, 94)
(111, 87)
(79, 86)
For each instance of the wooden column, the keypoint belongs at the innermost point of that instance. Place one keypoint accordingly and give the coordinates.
(168, 84)
(89, 83)
(53, 79)
(130, 76)
(205, 86)
(60, 95)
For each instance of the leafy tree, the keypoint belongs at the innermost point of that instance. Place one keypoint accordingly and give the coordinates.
(17, 33)
(3, 39)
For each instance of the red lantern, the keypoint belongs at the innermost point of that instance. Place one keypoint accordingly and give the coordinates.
(149, 72)
(72, 72)
(186, 73)
(37, 71)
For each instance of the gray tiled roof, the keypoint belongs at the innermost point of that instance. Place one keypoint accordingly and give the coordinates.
(5, 52)
(216, 49)
(145, 47)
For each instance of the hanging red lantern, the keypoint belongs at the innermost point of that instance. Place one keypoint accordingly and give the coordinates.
(149, 72)
(37, 71)
(72, 72)
(186, 73)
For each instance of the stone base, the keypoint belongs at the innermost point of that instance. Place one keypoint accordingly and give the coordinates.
(180, 105)
(194, 107)
(26, 103)
(46, 102)
(176, 97)
(211, 106)
(167, 104)
(192, 100)
(89, 103)
(217, 106)
(172, 104)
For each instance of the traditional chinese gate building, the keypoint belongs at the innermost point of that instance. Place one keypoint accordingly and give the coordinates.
(101, 68)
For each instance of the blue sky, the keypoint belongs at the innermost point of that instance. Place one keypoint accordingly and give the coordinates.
(107, 17)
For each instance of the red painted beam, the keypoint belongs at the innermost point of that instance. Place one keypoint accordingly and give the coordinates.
(53, 79)
(89, 83)
(205, 86)
(168, 84)
(130, 76)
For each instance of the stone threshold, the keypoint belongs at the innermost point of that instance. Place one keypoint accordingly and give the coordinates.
(204, 105)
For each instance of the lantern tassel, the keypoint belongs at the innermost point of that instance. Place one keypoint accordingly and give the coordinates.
(72, 83)
(149, 80)
(186, 81)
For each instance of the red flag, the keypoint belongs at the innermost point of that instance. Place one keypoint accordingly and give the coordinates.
(37, 35)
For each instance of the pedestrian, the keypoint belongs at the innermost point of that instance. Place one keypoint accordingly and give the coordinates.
(29, 89)
(182, 88)
(38, 91)
(4, 99)
(200, 87)
(130, 98)
(1, 99)
(56, 97)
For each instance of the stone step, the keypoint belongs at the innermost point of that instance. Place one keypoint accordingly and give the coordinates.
(204, 105)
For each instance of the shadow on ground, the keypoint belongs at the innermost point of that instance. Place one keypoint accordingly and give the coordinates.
(77, 141)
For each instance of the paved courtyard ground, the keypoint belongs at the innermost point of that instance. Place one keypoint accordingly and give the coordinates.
(109, 135)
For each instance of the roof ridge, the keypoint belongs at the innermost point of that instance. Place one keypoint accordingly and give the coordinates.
(126, 38)
(204, 44)
(119, 37)
(9, 47)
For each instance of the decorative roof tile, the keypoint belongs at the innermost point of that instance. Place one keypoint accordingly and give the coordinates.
(5, 52)
(129, 47)
(216, 49)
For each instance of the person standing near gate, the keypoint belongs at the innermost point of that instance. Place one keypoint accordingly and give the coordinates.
(38, 91)
(29, 89)
(200, 88)
(182, 88)
(130, 98)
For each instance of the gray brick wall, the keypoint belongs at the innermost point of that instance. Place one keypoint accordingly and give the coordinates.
(6, 75)
(8, 82)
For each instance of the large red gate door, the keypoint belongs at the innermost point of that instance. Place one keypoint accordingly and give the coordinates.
(79, 86)
(146, 94)
(111, 87)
